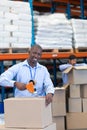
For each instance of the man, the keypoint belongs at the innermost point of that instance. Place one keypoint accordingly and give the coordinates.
(72, 62)
(28, 76)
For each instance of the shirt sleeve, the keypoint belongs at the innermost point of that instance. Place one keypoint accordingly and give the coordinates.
(64, 66)
(7, 78)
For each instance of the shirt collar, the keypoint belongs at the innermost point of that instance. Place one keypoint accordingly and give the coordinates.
(25, 63)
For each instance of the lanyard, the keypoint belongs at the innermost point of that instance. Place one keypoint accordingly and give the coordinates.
(32, 76)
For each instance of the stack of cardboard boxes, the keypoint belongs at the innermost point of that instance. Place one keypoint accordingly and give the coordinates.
(27, 113)
(76, 117)
(59, 107)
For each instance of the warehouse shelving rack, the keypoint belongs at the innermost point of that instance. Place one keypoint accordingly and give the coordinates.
(72, 8)
(61, 6)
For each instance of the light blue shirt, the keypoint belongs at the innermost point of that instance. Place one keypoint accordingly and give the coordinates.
(65, 66)
(23, 73)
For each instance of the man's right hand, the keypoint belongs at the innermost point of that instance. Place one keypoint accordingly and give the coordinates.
(20, 86)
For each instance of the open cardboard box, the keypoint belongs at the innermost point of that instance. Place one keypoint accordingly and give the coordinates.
(59, 101)
(77, 74)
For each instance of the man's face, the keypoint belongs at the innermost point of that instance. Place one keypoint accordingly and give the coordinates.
(35, 55)
(72, 62)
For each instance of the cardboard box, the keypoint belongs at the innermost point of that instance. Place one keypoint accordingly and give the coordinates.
(75, 91)
(58, 109)
(76, 121)
(84, 90)
(50, 127)
(77, 74)
(27, 113)
(59, 102)
(75, 104)
(60, 122)
(84, 104)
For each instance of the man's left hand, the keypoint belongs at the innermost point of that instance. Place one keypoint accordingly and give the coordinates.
(48, 98)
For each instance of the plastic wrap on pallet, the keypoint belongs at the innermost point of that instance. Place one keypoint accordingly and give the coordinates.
(53, 31)
(79, 33)
(15, 23)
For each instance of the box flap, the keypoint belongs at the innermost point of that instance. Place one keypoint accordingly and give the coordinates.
(62, 88)
(80, 67)
(65, 85)
(75, 67)
(68, 69)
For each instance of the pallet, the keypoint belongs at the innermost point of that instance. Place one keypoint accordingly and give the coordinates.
(14, 50)
(82, 49)
(26, 50)
(63, 50)
(58, 50)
